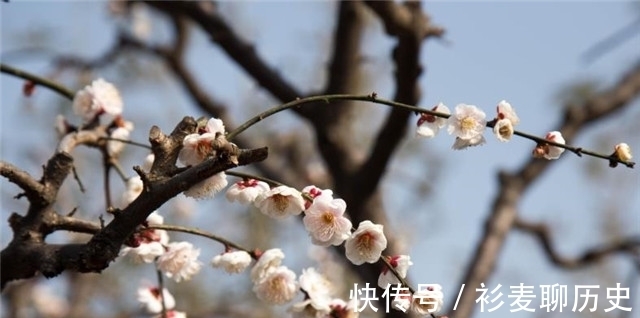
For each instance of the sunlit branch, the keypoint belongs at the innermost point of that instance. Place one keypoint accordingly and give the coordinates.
(372, 98)
(65, 92)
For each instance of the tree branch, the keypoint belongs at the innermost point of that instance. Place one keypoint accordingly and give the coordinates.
(588, 257)
(513, 185)
(27, 254)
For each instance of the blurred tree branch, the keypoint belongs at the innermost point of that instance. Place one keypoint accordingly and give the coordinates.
(541, 232)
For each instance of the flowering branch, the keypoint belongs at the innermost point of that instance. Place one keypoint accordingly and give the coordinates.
(372, 98)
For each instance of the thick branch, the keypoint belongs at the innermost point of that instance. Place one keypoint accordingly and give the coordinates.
(240, 51)
(588, 257)
(27, 254)
(32, 188)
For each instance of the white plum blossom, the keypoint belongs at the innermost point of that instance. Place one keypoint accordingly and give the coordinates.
(318, 289)
(467, 122)
(246, 191)
(180, 261)
(623, 152)
(553, 152)
(150, 298)
(315, 192)
(366, 244)
(401, 264)
(506, 111)
(269, 259)
(134, 188)
(233, 262)
(503, 130)
(506, 120)
(460, 143)
(100, 97)
(150, 242)
(279, 286)
(195, 149)
(326, 223)
(428, 299)
(429, 125)
(208, 187)
(280, 202)
(143, 253)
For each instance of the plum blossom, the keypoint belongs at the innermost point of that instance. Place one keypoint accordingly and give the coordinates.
(366, 244)
(317, 287)
(429, 125)
(246, 191)
(326, 223)
(623, 152)
(466, 122)
(280, 202)
(506, 111)
(401, 264)
(506, 120)
(150, 298)
(277, 287)
(269, 259)
(547, 151)
(208, 187)
(232, 262)
(460, 143)
(428, 299)
(180, 261)
(99, 97)
(315, 192)
(198, 147)
(148, 243)
(503, 129)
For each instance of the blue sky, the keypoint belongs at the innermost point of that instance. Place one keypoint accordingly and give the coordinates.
(519, 51)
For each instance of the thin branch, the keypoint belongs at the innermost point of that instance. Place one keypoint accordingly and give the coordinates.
(202, 233)
(513, 185)
(372, 98)
(588, 257)
(58, 88)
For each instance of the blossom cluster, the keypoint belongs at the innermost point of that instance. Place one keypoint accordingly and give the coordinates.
(467, 124)
(177, 260)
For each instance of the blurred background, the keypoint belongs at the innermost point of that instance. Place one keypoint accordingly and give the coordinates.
(539, 56)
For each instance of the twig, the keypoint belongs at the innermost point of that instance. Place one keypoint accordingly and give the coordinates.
(161, 288)
(77, 178)
(65, 92)
(134, 143)
(372, 98)
(202, 233)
